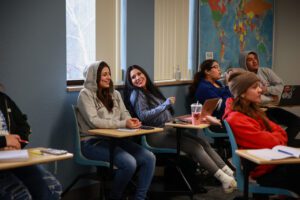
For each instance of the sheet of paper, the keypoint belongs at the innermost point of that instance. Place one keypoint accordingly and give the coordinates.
(268, 154)
(127, 129)
(288, 150)
(13, 155)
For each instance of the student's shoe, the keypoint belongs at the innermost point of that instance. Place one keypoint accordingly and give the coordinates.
(229, 187)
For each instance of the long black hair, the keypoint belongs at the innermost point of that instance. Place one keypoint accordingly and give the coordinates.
(150, 90)
(206, 65)
(104, 94)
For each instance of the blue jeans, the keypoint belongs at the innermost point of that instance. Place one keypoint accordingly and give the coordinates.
(32, 182)
(128, 156)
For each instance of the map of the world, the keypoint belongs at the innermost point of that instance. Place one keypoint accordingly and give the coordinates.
(230, 26)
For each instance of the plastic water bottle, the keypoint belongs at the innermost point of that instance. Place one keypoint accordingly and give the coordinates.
(177, 73)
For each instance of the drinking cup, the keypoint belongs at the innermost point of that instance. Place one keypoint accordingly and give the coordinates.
(196, 112)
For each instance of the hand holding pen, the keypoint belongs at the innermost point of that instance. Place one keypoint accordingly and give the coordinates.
(13, 141)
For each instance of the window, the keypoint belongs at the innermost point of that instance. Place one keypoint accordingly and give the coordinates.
(92, 34)
(171, 39)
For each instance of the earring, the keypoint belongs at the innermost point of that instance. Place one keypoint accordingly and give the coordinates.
(243, 96)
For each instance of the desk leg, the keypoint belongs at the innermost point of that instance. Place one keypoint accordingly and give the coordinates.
(112, 147)
(178, 137)
(246, 172)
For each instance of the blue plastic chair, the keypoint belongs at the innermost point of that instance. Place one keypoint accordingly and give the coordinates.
(156, 149)
(253, 186)
(211, 134)
(220, 141)
(81, 160)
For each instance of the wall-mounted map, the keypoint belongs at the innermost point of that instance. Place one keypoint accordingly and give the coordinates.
(230, 26)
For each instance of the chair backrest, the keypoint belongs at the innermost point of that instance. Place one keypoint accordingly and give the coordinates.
(78, 156)
(236, 161)
(155, 149)
(253, 186)
(211, 134)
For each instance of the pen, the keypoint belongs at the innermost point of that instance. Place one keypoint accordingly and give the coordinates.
(23, 141)
(282, 151)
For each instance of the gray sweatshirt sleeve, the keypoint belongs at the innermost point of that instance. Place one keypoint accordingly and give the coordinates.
(143, 110)
(275, 84)
(99, 117)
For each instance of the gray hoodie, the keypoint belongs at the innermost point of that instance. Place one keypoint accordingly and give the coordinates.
(92, 113)
(267, 76)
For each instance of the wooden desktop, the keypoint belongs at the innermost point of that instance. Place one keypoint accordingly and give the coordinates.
(35, 157)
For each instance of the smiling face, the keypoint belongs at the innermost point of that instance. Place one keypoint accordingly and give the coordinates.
(105, 78)
(253, 93)
(138, 79)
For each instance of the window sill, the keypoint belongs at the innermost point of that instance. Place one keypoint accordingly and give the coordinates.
(77, 88)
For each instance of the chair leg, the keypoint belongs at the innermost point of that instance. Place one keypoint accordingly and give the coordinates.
(99, 177)
(71, 185)
(102, 177)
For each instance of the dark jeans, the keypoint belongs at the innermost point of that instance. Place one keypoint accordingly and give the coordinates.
(288, 119)
(128, 156)
(32, 182)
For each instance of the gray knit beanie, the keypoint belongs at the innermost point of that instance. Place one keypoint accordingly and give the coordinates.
(239, 81)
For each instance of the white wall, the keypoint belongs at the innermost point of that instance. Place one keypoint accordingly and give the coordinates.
(287, 41)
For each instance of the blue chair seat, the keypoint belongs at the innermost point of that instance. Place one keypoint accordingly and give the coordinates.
(80, 159)
(156, 149)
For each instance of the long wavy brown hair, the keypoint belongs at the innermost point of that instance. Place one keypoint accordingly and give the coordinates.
(104, 94)
(151, 90)
(252, 110)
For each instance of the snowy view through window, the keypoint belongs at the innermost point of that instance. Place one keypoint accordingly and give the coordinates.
(80, 20)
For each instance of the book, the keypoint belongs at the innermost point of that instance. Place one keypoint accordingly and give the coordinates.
(277, 152)
(13, 155)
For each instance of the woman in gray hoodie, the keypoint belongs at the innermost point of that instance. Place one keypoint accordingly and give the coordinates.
(100, 106)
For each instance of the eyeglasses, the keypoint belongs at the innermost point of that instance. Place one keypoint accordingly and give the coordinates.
(216, 67)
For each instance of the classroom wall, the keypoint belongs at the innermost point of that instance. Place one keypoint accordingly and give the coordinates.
(33, 64)
(33, 68)
(287, 43)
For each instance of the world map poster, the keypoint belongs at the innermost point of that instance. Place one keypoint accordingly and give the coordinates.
(228, 27)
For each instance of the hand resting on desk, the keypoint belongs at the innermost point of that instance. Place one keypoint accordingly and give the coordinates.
(211, 120)
(133, 123)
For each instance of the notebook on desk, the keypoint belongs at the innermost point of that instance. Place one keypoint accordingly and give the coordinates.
(290, 95)
(13, 155)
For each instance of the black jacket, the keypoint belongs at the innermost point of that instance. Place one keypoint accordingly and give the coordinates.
(16, 121)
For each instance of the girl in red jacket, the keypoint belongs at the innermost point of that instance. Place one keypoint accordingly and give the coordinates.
(253, 130)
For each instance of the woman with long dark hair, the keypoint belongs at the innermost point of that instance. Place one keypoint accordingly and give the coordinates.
(146, 101)
(100, 106)
(207, 85)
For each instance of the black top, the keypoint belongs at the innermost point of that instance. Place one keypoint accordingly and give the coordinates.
(16, 121)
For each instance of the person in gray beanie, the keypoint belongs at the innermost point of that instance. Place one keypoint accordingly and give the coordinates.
(252, 129)
(239, 81)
